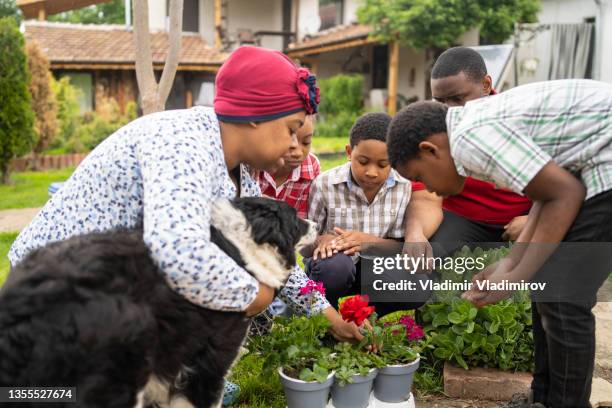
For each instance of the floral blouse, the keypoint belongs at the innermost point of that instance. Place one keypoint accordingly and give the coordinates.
(161, 172)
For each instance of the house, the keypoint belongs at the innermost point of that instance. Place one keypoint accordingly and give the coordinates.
(100, 58)
(391, 72)
(573, 38)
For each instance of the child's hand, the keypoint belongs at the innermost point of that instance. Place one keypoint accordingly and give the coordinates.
(514, 228)
(324, 247)
(350, 242)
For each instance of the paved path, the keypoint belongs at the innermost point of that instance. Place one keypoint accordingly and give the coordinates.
(15, 220)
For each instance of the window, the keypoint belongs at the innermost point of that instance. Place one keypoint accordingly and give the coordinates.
(191, 15)
(380, 68)
(330, 12)
(83, 82)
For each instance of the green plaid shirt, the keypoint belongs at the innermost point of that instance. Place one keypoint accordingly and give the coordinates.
(508, 138)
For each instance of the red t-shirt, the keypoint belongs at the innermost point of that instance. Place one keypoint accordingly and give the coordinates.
(483, 202)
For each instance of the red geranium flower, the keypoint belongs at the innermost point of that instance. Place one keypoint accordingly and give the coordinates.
(355, 309)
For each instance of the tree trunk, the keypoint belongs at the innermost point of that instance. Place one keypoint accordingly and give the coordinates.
(153, 95)
(6, 175)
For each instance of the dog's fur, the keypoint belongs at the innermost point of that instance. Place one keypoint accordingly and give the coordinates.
(94, 312)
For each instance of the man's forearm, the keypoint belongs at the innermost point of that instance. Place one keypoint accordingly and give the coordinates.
(423, 215)
(551, 222)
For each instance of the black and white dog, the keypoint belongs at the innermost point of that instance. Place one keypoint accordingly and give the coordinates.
(94, 312)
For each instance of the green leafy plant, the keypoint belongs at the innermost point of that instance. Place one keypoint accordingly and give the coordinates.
(296, 344)
(497, 336)
(350, 360)
(341, 104)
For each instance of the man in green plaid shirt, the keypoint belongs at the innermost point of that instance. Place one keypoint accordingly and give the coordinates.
(551, 141)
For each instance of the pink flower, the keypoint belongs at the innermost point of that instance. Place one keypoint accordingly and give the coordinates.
(312, 286)
(413, 330)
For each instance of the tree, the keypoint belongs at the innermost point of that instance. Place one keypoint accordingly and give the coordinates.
(112, 12)
(16, 117)
(44, 103)
(438, 23)
(153, 95)
(8, 8)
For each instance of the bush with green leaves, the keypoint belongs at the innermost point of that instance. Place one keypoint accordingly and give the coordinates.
(16, 117)
(341, 104)
(497, 336)
(81, 133)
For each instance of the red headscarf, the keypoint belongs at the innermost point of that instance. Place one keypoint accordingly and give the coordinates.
(257, 84)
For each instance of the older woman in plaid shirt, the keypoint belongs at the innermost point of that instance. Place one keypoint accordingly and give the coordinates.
(551, 141)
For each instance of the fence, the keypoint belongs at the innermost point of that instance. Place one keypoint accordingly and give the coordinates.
(43, 163)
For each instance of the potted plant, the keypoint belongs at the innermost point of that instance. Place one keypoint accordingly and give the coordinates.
(294, 348)
(394, 381)
(355, 373)
(355, 366)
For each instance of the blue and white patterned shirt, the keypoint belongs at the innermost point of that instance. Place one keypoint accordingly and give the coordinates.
(161, 172)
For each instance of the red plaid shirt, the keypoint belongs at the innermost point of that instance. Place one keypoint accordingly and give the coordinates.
(296, 189)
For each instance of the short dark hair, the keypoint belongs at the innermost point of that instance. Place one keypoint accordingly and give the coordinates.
(412, 125)
(457, 59)
(373, 125)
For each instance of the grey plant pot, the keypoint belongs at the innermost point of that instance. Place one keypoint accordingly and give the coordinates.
(394, 382)
(355, 394)
(305, 394)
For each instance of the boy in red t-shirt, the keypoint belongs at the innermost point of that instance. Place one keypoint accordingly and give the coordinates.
(482, 212)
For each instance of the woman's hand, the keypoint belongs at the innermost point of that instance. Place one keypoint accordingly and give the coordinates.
(264, 297)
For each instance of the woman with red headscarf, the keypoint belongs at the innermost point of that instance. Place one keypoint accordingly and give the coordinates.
(164, 170)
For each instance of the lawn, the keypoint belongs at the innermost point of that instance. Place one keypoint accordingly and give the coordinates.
(328, 144)
(30, 189)
(6, 239)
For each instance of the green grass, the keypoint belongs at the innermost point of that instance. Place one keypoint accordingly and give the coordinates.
(256, 391)
(329, 144)
(329, 162)
(6, 240)
(30, 189)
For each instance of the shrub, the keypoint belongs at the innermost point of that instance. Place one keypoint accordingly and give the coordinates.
(16, 117)
(341, 104)
(82, 133)
(44, 103)
(67, 110)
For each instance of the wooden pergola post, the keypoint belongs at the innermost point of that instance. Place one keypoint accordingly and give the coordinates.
(393, 74)
(42, 13)
(218, 23)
